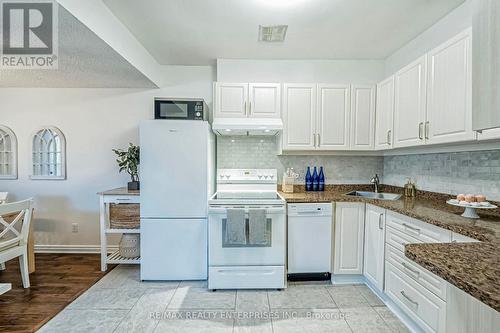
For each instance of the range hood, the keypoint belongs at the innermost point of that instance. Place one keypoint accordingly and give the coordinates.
(247, 126)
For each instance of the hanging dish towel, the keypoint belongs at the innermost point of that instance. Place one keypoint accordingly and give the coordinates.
(257, 227)
(235, 227)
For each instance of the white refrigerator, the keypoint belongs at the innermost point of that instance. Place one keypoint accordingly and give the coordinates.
(177, 173)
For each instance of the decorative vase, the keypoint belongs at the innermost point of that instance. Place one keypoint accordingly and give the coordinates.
(129, 246)
(134, 186)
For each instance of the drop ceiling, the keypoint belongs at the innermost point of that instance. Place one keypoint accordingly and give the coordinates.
(197, 32)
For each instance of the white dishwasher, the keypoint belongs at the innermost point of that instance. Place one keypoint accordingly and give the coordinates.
(309, 241)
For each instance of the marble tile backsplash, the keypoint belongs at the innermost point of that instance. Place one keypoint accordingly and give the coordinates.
(454, 173)
(261, 152)
(462, 172)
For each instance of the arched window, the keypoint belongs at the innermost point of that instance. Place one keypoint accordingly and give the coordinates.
(8, 153)
(49, 154)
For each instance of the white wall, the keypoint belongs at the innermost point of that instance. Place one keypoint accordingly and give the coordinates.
(320, 71)
(449, 26)
(94, 121)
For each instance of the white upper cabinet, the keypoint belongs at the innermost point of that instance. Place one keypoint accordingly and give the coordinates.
(489, 134)
(333, 117)
(362, 117)
(264, 100)
(231, 100)
(384, 114)
(410, 99)
(373, 266)
(242, 100)
(299, 113)
(449, 92)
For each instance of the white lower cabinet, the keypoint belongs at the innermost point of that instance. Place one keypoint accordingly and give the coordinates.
(465, 314)
(425, 308)
(418, 292)
(373, 262)
(428, 280)
(349, 237)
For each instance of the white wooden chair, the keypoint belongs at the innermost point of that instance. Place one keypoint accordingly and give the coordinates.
(14, 236)
(3, 197)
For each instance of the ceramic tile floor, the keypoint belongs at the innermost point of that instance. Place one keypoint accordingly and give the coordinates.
(120, 302)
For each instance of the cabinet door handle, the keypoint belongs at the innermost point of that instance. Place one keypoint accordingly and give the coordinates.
(122, 199)
(427, 130)
(250, 108)
(246, 112)
(380, 224)
(319, 140)
(389, 137)
(420, 125)
(408, 298)
(411, 228)
(314, 138)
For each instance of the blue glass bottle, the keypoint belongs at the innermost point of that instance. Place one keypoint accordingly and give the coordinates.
(309, 182)
(315, 179)
(321, 186)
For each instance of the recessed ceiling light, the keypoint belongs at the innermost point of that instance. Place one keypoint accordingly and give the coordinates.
(272, 33)
(280, 3)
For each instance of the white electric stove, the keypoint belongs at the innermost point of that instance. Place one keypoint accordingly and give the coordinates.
(247, 265)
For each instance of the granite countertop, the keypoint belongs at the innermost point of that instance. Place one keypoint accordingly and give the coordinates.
(472, 267)
(120, 191)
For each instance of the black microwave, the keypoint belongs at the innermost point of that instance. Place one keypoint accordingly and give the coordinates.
(187, 109)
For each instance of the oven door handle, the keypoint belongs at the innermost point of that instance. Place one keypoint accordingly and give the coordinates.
(247, 210)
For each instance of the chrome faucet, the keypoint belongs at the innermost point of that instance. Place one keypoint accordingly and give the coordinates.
(376, 183)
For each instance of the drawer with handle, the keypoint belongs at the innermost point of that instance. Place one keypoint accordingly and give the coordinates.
(428, 280)
(425, 232)
(118, 199)
(398, 239)
(425, 308)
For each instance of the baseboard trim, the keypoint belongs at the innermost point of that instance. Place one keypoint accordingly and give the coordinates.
(95, 249)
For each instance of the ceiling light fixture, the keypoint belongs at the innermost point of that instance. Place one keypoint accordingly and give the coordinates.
(272, 33)
(281, 3)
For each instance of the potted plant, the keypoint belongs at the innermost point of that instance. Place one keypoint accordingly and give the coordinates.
(128, 160)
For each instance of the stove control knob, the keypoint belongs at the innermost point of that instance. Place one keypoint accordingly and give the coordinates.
(227, 176)
(221, 176)
(260, 176)
(265, 177)
(271, 176)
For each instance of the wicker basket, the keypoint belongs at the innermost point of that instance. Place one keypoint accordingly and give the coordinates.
(130, 246)
(124, 216)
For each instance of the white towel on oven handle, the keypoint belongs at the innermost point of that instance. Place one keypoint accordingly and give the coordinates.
(236, 227)
(257, 227)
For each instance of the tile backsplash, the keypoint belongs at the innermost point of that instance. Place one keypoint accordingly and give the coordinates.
(462, 172)
(261, 152)
(454, 173)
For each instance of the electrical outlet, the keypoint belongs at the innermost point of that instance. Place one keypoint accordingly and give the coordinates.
(74, 227)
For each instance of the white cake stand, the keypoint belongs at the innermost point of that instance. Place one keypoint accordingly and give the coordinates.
(470, 211)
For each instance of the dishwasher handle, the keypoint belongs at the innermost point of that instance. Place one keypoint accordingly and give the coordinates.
(310, 210)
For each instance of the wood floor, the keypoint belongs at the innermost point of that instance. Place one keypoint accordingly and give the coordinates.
(58, 280)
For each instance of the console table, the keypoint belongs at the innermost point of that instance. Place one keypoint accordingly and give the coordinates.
(117, 197)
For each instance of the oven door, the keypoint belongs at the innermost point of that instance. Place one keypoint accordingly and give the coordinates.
(272, 252)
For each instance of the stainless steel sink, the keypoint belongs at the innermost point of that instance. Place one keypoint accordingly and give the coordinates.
(373, 195)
